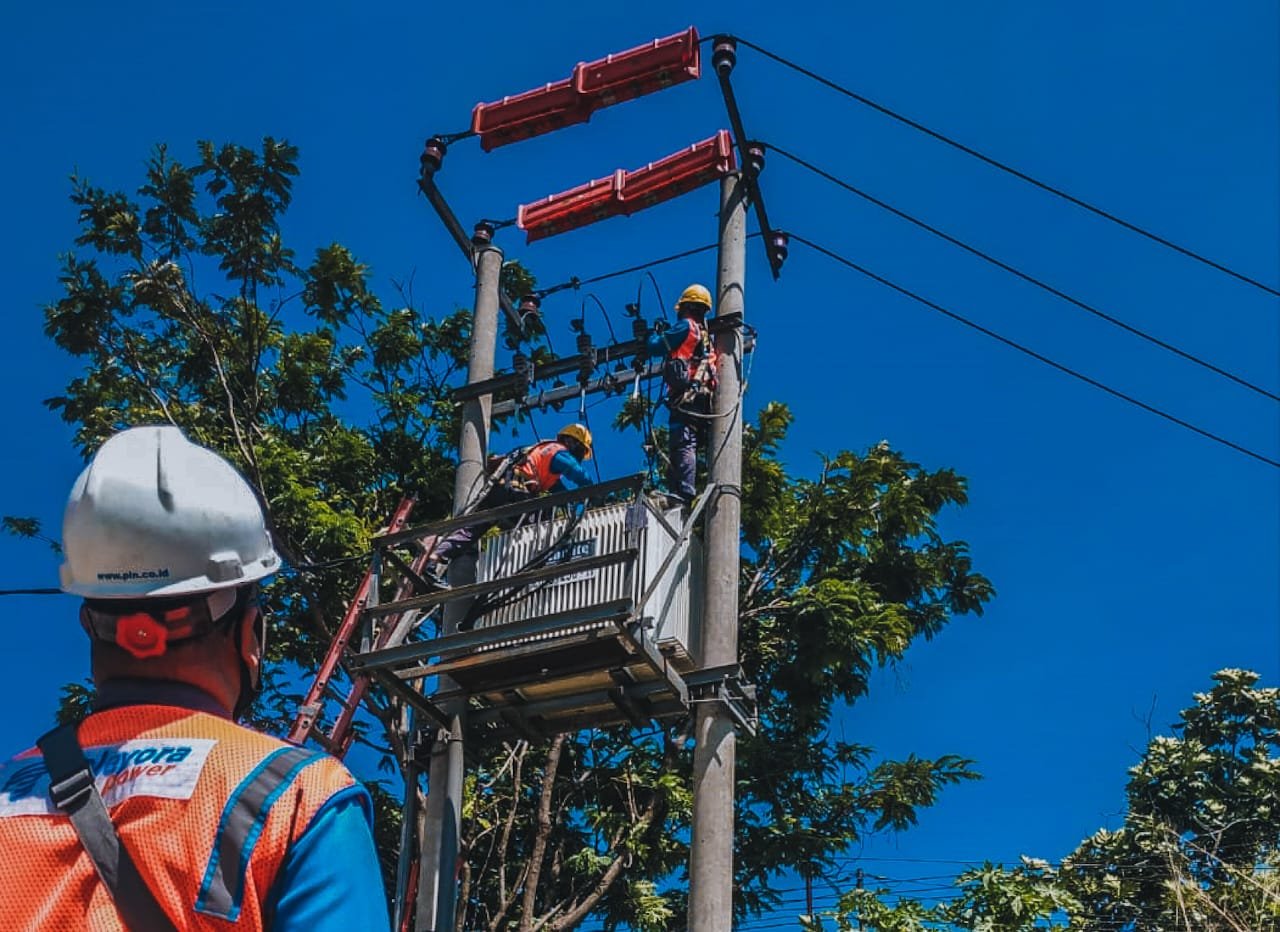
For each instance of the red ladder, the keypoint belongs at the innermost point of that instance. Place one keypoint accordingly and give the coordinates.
(305, 725)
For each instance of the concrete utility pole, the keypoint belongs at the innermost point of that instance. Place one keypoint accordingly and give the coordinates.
(437, 885)
(711, 854)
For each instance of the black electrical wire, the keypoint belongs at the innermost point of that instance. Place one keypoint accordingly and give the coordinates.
(501, 598)
(1009, 169)
(662, 305)
(330, 564)
(578, 282)
(1032, 353)
(987, 257)
(603, 311)
(31, 592)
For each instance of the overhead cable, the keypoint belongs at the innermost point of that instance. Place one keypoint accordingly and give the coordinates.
(1057, 293)
(579, 282)
(1009, 169)
(31, 592)
(1033, 354)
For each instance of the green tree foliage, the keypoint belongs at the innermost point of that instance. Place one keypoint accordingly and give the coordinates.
(186, 306)
(841, 574)
(1199, 849)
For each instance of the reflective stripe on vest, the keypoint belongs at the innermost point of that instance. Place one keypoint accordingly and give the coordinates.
(535, 468)
(222, 890)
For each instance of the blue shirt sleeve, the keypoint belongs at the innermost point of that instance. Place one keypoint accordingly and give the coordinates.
(570, 471)
(660, 344)
(330, 881)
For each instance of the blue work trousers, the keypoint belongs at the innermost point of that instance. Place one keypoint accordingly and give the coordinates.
(685, 433)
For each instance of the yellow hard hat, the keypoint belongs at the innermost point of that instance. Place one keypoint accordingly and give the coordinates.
(579, 433)
(695, 294)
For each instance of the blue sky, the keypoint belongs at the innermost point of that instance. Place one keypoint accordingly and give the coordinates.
(1132, 558)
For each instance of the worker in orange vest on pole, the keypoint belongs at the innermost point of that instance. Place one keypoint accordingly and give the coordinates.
(547, 466)
(690, 376)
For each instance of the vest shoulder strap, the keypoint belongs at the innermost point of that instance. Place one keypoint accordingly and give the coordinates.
(73, 792)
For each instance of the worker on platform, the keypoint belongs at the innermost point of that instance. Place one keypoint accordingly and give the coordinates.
(690, 376)
(547, 466)
(158, 811)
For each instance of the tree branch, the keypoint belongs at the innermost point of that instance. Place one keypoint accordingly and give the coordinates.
(543, 833)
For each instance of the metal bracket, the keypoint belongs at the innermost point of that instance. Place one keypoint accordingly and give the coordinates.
(422, 746)
(727, 686)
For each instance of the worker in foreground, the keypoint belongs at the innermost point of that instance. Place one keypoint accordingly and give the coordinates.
(547, 466)
(690, 376)
(158, 811)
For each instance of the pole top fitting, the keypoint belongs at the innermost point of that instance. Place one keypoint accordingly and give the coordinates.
(432, 157)
(755, 157)
(724, 55)
(482, 235)
(530, 304)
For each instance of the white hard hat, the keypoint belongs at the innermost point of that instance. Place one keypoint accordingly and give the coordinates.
(153, 514)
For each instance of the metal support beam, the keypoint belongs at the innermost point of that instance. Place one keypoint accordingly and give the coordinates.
(711, 851)
(437, 888)
(598, 492)
(431, 162)
(563, 365)
(483, 637)
(451, 597)
(723, 58)
(614, 381)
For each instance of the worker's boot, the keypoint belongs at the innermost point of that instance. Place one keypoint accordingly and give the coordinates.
(434, 573)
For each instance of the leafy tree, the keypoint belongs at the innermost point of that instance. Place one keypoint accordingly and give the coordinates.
(1199, 849)
(186, 306)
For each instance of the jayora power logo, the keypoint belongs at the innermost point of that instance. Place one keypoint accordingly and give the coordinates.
(162, 768)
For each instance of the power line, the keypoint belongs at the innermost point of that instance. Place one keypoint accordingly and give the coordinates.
(1009, 169)
(1032, 353)
(31, 592)
(987, 257)
(576, 282)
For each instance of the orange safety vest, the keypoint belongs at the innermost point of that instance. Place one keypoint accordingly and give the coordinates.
(698, 352)
(533, 472)
(207, 809)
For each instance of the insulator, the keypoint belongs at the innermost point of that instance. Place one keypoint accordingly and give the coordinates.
(432, 158)
(632, 310)
(482, 235)
(520, 363)
(584, 344)
(724, 55)
(755, 158)
(530, 306)
(780, 246)
(639, 329)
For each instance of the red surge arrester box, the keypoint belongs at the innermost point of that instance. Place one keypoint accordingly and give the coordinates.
(593, 85)
(625, 193)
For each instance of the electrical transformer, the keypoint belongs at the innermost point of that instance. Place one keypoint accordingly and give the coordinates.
(671, 614)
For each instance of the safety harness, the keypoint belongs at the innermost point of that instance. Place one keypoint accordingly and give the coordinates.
(690, 370)
(73, 792)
